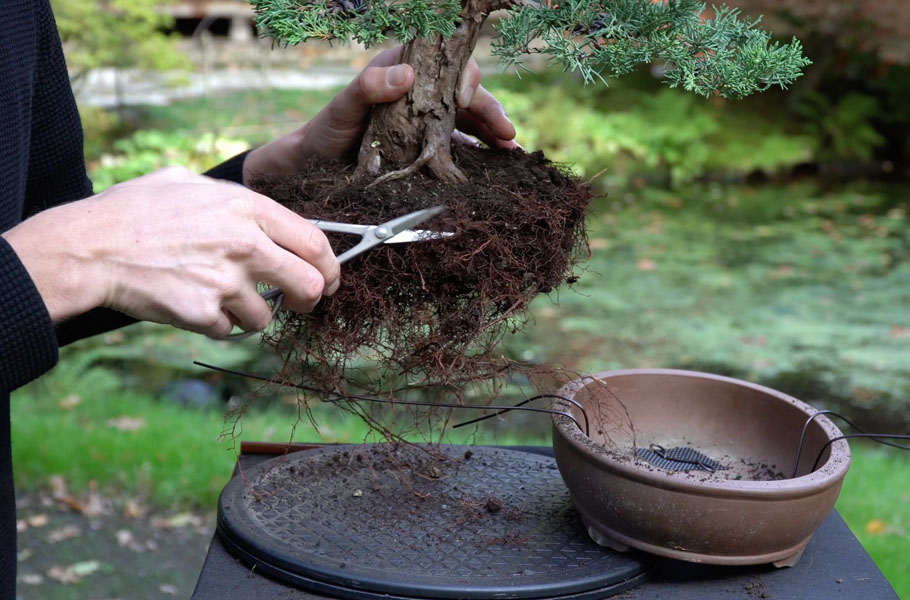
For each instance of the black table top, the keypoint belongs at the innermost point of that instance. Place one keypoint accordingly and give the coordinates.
(834, 565)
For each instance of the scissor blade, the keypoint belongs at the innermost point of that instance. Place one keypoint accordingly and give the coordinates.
(417, 235)
(400, 224)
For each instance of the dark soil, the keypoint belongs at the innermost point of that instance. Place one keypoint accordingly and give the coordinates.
(432, 310)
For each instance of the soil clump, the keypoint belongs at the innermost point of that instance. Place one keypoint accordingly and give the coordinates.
(431, 311)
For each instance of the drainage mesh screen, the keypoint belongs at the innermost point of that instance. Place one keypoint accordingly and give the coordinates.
(678, 459)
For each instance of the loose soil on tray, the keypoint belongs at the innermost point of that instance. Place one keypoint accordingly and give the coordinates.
(432, 310)
(419, 497)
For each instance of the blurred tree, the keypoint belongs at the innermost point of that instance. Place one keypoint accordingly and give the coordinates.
(120, 34)
(857, 47)
(116, 33)
(879, 27)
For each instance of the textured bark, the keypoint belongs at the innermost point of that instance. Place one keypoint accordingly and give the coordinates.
(416, 130)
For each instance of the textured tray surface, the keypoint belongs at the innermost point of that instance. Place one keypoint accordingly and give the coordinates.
(381, 520)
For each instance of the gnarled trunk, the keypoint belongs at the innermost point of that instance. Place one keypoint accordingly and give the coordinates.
(415, 131)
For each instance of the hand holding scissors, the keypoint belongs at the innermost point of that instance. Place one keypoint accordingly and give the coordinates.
(398, 230)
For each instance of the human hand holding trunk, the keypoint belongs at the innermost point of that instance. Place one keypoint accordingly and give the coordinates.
(178, 248)
(336, 131)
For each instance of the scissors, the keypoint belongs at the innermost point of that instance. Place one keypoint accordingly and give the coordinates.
(398, 230)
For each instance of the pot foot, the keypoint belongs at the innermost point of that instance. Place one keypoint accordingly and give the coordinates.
(603, 540)
(790, 561)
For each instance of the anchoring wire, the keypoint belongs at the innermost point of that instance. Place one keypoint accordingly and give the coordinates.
(359, 397)
(519, 406)
(881, 438)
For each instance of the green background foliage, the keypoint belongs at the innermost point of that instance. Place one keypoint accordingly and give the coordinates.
(116, 33)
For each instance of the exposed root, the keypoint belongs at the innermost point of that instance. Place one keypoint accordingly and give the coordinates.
(411, 169)
(443, 170)
(432, 312)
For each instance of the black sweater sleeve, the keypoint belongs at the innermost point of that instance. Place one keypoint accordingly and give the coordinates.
(42, 165)
(28, 348)
(229, 170)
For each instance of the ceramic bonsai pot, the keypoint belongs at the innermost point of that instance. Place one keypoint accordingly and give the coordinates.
(750, 510)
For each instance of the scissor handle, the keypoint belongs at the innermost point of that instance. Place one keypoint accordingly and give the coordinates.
(371, 236)
(336, 227)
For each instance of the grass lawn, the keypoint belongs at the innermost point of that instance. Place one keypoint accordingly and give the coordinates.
(875, 503)
(87, 422)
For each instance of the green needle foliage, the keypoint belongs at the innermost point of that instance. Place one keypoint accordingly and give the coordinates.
(725, 55)
(368, 22)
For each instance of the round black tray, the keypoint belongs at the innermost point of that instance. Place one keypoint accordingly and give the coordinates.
(379, 521)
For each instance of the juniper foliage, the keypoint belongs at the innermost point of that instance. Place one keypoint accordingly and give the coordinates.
(725, 55)
(368, 22)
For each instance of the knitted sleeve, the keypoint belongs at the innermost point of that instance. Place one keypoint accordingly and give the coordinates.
(41, 121)
(56, 164)
(229, 170)
(27, 344)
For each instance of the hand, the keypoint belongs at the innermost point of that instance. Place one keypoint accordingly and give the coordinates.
(337, 129)
(177, 248)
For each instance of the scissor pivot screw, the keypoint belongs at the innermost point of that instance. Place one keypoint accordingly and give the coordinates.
(383, 232)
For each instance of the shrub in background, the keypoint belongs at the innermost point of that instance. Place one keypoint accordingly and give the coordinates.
(146, 151)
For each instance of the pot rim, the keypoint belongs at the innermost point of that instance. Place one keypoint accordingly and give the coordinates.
(831, 472)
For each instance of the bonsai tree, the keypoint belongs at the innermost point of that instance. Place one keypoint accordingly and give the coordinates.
(434, 312)
(725, 55)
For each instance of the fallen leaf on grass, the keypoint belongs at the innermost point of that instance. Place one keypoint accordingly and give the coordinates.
(548, 312)
(646, 264)
(93, 505)
(39, 520)
(61, 574)
(90, 504)
(64, 533)
(782, 272)
(85, 568)
(71, 502)
(125, 537)
(58, 486)
(178, 520)
(875, 527)
(74, 572)
(69, 402)
(126, 423)
(899, 331)
(31, 579)
(133, 509)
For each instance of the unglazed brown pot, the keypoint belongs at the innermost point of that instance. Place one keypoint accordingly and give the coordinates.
(749, 512)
